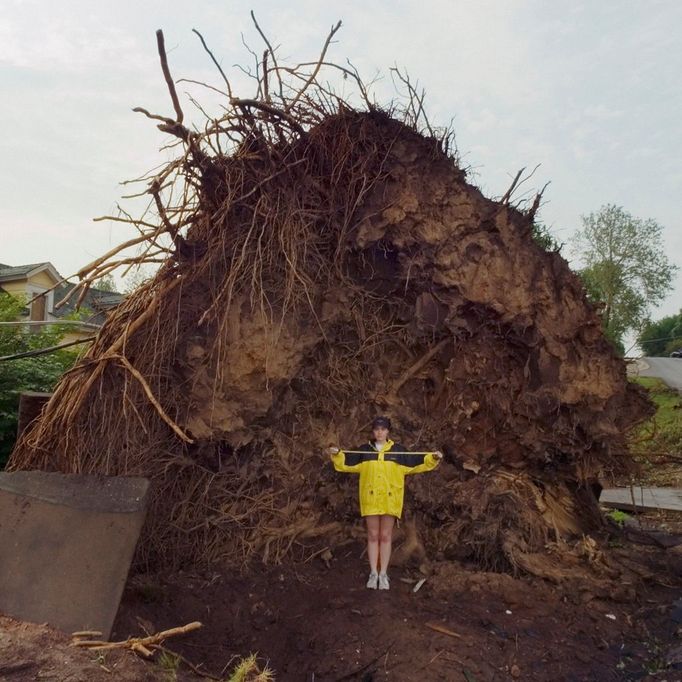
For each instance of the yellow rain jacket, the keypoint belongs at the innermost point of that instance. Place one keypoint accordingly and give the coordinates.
(382, 474)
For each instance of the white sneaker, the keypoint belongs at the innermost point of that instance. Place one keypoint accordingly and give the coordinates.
(383, 582)
(373, 581)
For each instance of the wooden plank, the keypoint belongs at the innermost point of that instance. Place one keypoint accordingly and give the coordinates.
(645, 499)
(30, 406)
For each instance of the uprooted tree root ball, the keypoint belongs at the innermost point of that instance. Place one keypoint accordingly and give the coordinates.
(321, 264)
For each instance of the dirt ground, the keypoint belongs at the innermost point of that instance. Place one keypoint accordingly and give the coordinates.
(314, 621)
(317, 621)
(30, 651)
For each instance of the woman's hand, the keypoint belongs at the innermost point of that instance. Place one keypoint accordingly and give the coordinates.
(332, 451)
(438, 455)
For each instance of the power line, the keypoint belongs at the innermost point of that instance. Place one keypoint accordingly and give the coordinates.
(45, 351)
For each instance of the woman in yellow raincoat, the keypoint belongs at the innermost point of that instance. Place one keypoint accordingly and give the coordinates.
(382, 465)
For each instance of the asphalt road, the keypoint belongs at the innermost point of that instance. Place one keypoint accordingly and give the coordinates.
(668, 369)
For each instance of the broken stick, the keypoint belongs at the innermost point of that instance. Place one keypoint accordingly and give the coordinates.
(141, 645)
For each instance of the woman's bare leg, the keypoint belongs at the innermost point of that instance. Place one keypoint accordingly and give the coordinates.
(373, 534)
(386, 524)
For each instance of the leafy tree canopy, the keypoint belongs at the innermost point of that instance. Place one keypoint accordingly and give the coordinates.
(627, 271)
(25, 374)
(105, 283)
(662, 336)
(544, 238)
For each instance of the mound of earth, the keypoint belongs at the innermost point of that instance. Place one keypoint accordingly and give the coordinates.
(327, 263)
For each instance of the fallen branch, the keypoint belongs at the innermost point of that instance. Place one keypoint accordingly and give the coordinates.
(136, 644)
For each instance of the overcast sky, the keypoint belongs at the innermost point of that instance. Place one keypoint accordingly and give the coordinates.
(589, 90)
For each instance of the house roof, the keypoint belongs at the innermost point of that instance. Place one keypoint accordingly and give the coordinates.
(7, 271)
(12, 272)
(97, 300)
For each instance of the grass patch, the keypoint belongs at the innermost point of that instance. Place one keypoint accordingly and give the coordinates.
(620, 517)
(170, 663)
(248, 670)
(668, 403)
(657, 444)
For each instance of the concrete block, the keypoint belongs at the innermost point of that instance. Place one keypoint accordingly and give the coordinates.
(66, 544)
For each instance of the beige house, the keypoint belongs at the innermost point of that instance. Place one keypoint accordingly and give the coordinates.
(41, 286)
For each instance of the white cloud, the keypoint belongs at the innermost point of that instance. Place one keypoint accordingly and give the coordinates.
(589, 90)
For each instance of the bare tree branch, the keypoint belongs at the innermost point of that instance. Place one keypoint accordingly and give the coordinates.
(320, 61)
(166, 74)
(215, 61)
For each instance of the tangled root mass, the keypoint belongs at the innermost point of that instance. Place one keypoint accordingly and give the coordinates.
(323, 263)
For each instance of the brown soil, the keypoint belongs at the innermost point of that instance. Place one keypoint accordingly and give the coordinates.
(30, 651)
(382, 281)
(314, 621)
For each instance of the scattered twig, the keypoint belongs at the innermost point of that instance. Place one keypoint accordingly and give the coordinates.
(443, 630)
(433, 658)
(87, 633)
(358, 671)
(196, 669)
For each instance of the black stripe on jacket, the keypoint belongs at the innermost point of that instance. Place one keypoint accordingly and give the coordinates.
(409, 460)
(368, 453)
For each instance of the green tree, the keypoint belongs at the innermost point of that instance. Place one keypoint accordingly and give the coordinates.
(544, 238)
(25, 374)
(660, 337)
(105, 283)
(627, 271)
(137, 277)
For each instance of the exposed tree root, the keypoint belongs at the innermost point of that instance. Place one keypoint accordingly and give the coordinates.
(322, 264)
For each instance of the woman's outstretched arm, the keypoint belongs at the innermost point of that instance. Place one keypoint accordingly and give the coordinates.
(417, 464)
(348, 464)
